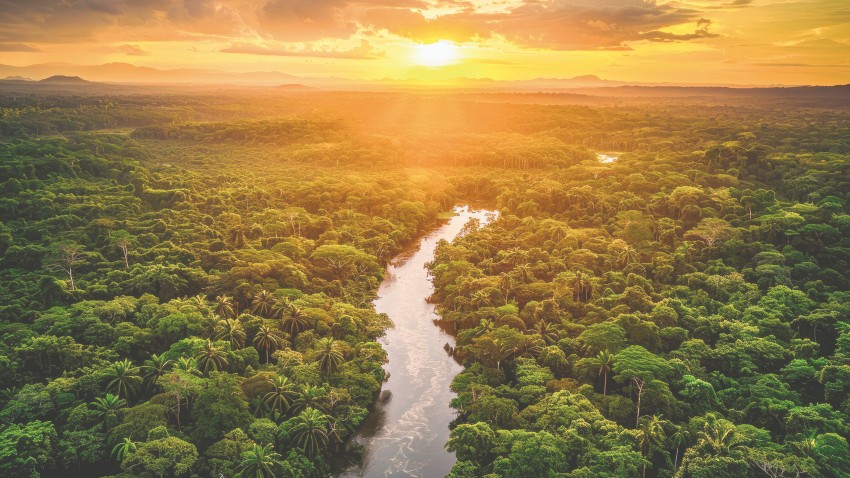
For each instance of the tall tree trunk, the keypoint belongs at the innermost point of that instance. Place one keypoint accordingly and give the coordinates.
(605, 384)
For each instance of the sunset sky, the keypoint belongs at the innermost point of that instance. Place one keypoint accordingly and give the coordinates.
(699, 41)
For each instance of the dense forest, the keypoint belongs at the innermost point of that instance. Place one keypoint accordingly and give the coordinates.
(187, 281)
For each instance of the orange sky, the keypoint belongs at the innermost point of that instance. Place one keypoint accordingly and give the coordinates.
(699, 41)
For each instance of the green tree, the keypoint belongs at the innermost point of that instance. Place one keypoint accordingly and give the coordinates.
(278, 399)
(124, 449)
(27, 450)
(605, 362)
(260, 462)
(328, 355)
(231, 331)
(211, 357)
(124, 378)
(155, 368)
(266, 340)
(263, 303)
(107, 409)
(309, 430)
(164, 457)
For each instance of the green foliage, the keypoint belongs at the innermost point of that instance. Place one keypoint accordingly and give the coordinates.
(184, 297)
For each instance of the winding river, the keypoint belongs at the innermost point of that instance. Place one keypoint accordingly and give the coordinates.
(407, 432)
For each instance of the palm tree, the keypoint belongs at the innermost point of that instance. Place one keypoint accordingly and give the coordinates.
(263, 302)
(278, 398)
(310, 431)
(525, 273)
(187, 364)
(211, 357)
(719, 435)
(224, 306)
(107, 408)
(329, 358)
(266, 339)
(232, 331)
(295, 321)
(650, 434)
(155, 368)
(281, 307)
(121, 450)
(260, 462)
(506, 283)
(125, 378)
(547, 331)
(679, 438)
(484, 326)
(627, 255)
(481, 298)
(309, 397)
(605, 360)
(582, 287)
(200, 302)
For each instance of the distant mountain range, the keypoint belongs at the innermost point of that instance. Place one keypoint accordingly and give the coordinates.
(16, 78)
(127, 73)
(65, 80)
(67, 74)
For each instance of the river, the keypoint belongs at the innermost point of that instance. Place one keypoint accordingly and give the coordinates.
(407, 432)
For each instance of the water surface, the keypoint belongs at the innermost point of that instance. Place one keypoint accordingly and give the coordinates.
(406, 434)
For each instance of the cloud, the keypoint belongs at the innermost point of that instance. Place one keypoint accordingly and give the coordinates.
(553, 24)
(363, 52)
(17, 47)
(132, 50)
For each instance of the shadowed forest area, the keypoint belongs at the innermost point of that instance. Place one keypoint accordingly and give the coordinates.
(186, 279)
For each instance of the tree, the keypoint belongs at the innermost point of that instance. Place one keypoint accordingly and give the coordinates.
(263, 303)
(232, 331)
(224, 306)
(713, 232)
(211, 357)
(123, 449)
(123, 240)
(604, 336)
(328, 355)
(164, 457)
(26, 450)
(309, 430)
(309, 396)
(638, 384)
(154, 368)
(472, 442)
(219, 406)
(125, 379)
(294, 321)
(66, 256)
(278, 399)
(224, 457)
(678, 439)
(547, 331)
(260, 462)
(605, 361)
(266, 340)
(650, 435)
(107, 409)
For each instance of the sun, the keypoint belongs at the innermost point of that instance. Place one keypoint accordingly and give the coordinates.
(440, 53)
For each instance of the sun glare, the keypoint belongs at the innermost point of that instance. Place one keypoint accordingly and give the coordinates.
(436, 54)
